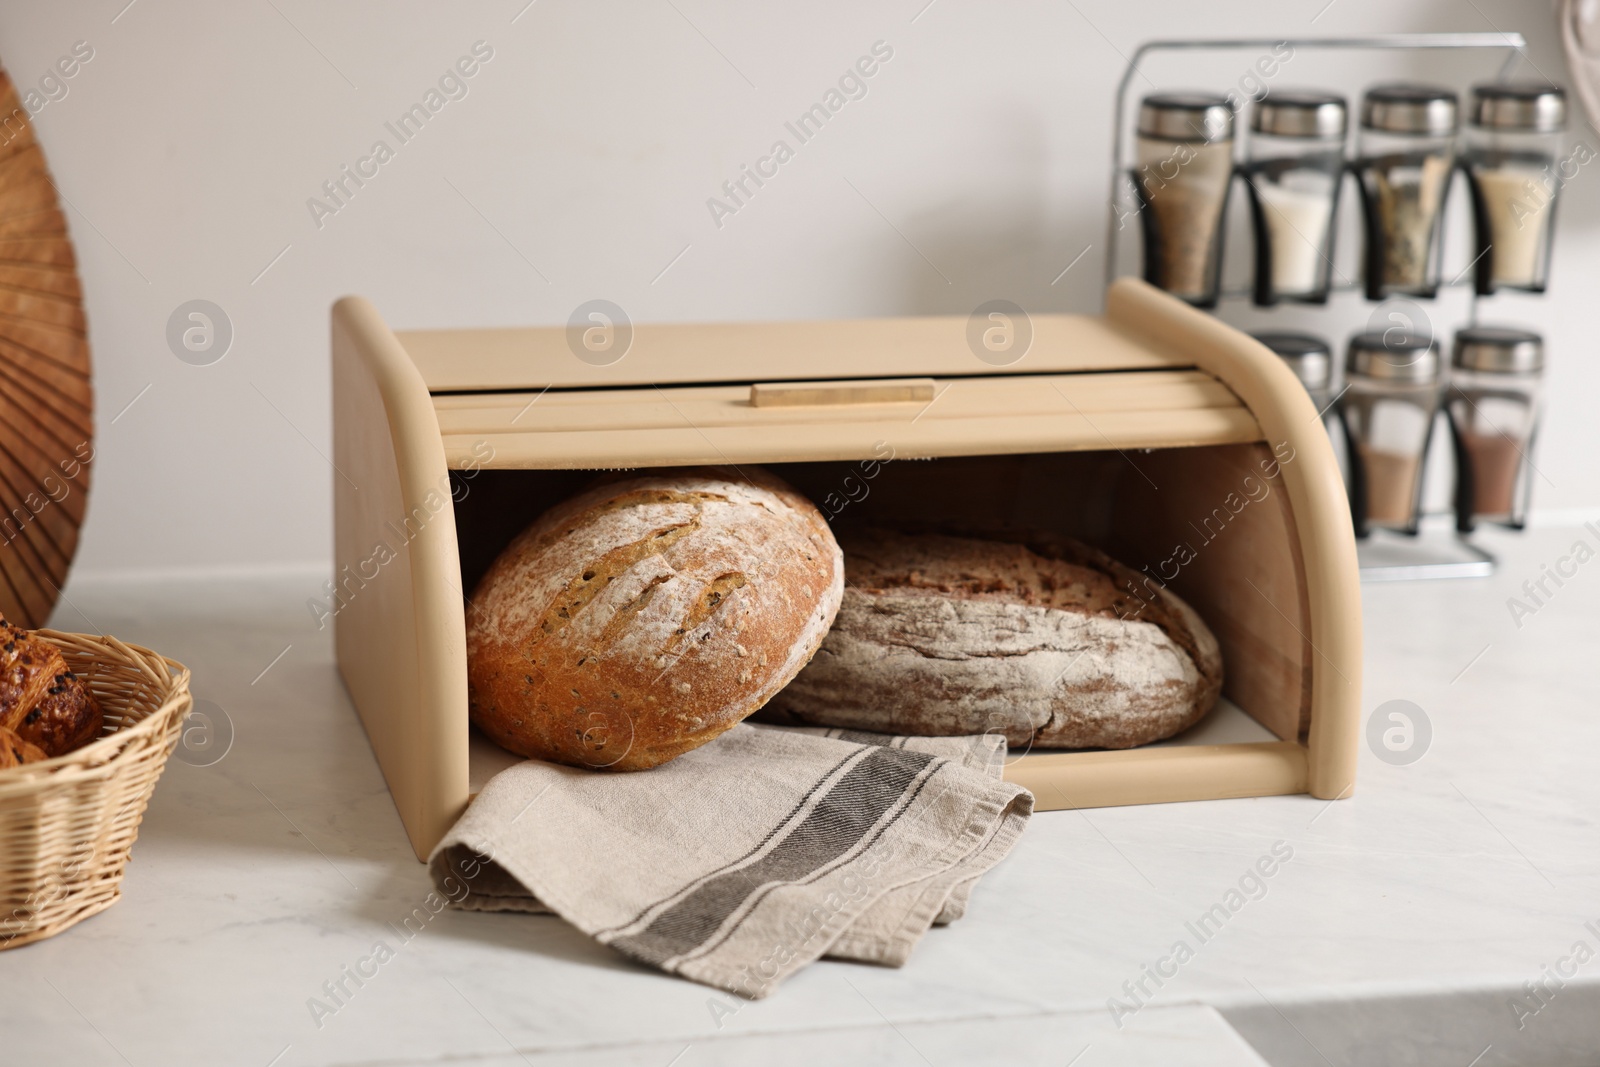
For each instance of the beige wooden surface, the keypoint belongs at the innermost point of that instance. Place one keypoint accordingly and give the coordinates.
(1244, 578)
(1060, 780)
(729, 405)
(1129, 384)
(935, 345)
(861, 391)
(1321, 513)
(400, 633)
(718, 424)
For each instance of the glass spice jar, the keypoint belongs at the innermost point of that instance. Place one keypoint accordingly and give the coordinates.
(1185, 166)
(1405, 155)
(1390, 401)
(1309, 357)
(1512, 144)
(1296, 160)
(1493, 403)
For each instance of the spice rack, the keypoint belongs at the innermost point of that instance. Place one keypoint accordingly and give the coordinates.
(1383, 557)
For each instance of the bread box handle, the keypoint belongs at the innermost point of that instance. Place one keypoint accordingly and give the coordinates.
(836, 394)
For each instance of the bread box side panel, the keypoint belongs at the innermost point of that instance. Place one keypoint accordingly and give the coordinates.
(1215, 525)
(1316, 499)
(396, 606)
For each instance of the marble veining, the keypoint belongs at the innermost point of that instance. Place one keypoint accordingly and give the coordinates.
(1401, 927)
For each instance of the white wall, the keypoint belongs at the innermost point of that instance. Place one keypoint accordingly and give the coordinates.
(975, 167)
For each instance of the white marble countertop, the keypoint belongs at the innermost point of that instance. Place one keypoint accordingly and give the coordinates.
(1402, 930)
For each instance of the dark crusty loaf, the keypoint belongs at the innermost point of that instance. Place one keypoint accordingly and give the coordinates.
(645, 616)
(1052, 643)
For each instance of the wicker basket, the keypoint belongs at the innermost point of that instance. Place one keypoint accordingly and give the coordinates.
(66, 824)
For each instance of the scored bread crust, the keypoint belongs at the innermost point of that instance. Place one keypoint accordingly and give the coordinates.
(646, 615)
(1045, 640)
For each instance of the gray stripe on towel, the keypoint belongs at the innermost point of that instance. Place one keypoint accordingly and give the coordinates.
(862, 737)
(841, 818)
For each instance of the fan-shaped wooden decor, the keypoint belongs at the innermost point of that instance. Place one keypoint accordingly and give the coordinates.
(46, 406)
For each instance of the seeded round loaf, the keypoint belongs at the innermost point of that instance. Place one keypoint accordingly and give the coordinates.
(1051, 643)
(645, 616)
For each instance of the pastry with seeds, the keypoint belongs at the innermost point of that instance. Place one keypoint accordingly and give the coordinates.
(42, 702)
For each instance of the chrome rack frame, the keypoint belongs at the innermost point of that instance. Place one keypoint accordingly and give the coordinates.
(1460, 558)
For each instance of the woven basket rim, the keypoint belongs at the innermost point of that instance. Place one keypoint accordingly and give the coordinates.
(71, 821)
(101, 754)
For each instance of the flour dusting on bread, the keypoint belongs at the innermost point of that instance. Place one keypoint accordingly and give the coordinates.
(645, 616)
(1050, 642)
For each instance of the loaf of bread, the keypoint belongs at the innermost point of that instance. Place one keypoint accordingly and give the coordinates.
(42, 703)
(645, 616)
(1050, 642)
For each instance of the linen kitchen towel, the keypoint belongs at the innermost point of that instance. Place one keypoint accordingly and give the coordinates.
(742, 861)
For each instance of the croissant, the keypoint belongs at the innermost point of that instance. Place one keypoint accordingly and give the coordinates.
(43, 705)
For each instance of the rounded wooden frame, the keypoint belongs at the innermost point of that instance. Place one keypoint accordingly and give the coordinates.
(400, 623)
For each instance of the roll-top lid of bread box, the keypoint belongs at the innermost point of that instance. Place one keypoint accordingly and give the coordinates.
(695, 424)
(609, 351)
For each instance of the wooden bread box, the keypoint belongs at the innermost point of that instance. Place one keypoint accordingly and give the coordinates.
(1174, 442)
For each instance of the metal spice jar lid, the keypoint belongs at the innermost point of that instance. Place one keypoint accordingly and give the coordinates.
(1301, 113)
(1307, 355)
(1526, 106)
(1393, 356)
(1186, 116)
(1499, 350)
(1408, 107)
